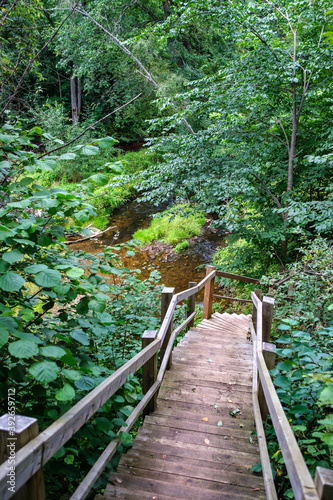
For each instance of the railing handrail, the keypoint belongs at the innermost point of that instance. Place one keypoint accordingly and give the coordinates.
(301, 481)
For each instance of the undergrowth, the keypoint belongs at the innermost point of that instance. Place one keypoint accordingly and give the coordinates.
(173, 226)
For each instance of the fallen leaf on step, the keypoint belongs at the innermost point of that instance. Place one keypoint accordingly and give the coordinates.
(205, 419)
(210, 361)
(229, 400)
(154, 498)
(219, 423)
(119, 480)
(256, 489)
(207, 441)
(164, 456)
(134, 473)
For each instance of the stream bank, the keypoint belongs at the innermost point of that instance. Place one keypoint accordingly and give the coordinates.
(176, 269)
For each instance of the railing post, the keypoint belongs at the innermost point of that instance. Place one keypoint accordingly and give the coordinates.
(324, 483)
(14, 434)
(269, 354)
(167, 294)
(208, 297)
(191, 303)
(258, 293)
(149, 371)
(267, 317)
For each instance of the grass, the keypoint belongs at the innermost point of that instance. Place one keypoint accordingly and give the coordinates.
(180, 247)
(173, 226)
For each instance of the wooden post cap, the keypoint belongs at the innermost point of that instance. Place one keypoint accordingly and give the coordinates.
(324, 483)
(21, 423)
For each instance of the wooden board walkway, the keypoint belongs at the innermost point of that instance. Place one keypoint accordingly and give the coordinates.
(191, 447)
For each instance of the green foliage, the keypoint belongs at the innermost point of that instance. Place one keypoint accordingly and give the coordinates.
(173, 225)
(180, 247)
(67, 319)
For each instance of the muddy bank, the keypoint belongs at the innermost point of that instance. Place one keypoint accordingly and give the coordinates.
(176, 269)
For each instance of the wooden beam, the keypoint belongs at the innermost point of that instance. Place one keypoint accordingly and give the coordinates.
(191, 303)
(267, 317)
(324, 483)
(208, 297)
(15, 432)
(257, 294)
(222, 297)
(269, 353)
(167, 295)
(237, 277)
(149, 371)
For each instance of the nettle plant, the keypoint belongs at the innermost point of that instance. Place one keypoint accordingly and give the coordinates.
(67, 319)
(304, 382)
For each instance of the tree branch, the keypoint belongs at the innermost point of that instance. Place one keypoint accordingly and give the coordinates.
(90, 127)
(267, 189)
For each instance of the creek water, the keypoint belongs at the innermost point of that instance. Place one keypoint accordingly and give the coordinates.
(176, 269)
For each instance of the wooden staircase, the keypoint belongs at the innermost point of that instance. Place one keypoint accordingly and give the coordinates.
(198, 444)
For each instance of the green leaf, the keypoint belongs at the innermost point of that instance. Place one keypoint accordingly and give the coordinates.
(219, 423)
(45, 371)
(67, 393)
(4, 336)
(125, 438)
(326, 395)
(80, 336)
(48, 278)
(12, 256)
(327, 438)
(103, 424)
(89, 150)
(67, 156)
(23, 349)
(11, 282)
(5, 164)
(97, 305)
(99, 179)
(85, 383)
(82, 216)
(75, 272)
(257, 467)
(120, 422)
(106, 142)
(53, 351)
(71, 374)
(35, 268)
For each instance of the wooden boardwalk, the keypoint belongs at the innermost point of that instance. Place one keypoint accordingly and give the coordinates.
(198, 444)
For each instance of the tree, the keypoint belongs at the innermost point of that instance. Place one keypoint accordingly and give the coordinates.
(262, 114)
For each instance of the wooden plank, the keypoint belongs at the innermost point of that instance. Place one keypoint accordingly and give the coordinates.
(158, 484)
(185, 469)
(149, 371)
(167, 319)
(167, 294)
(191, 303)
(264, 457)
(269, 353)
(230, 299)
(208, 296)
(39, 451)
(15, 432)
(324, 483)
(237, 277)
(85, 486)
(267, 317)
(194, 290)
(300, 478)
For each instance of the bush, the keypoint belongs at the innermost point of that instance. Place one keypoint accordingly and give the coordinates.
(173, 225)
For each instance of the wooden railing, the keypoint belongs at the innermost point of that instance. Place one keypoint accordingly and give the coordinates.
(35, 450)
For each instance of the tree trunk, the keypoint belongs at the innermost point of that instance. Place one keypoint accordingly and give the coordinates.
(79, 97)
(74, 100)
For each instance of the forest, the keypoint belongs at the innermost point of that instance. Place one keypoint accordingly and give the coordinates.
(205, 110)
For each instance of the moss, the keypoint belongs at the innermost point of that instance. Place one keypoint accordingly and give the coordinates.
(181, 246)
(173, 226)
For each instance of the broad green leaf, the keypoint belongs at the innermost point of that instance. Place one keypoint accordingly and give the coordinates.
(125, 438)
(67, 156)
(75, 272)
(96, 305)
(106, 142)
(23, 349)
(11, 282)
(103, 424)
(327, 438)
(67, 393)
(48, 278)
(12, 256)
(35, 268)
(85, 383)
(5, 164)
(53, 351)
(80, 336)
(89, 150)
(45, 372)
(4, 336)
(82, 216)
(99, 179)
(71, 374)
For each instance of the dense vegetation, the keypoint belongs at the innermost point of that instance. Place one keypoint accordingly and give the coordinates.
(233, 102)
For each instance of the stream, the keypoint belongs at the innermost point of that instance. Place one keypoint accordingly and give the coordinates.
(176, 269)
